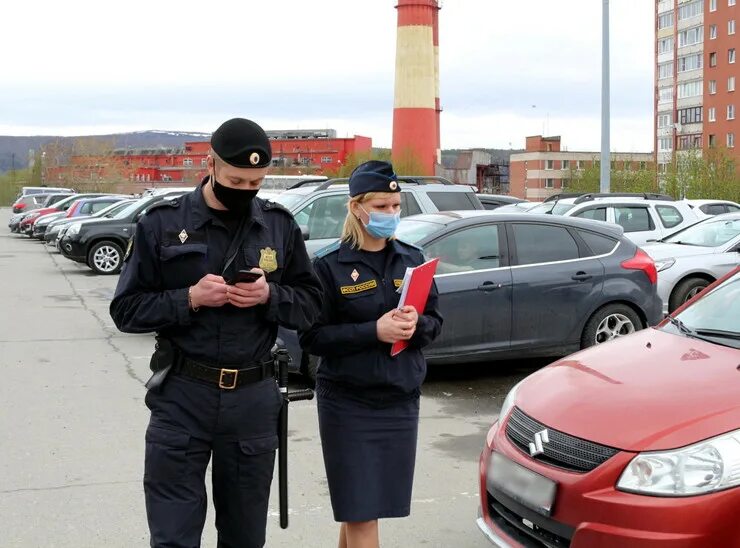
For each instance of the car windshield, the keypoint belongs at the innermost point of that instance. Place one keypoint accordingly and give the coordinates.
(714, 316)
(710, 233)
(128, 210)
(561, 209)
(542, 208)
(112, 209)
(287, 200)
(413, 231)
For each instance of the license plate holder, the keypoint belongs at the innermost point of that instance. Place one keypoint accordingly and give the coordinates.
(525, 486)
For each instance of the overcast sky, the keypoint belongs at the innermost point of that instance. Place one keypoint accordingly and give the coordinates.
(508, 68)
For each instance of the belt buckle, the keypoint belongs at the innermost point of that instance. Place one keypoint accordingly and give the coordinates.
(221, 384)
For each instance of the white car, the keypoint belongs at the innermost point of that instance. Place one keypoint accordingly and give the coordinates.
(691, 259)
(644, 217)
(709, 208)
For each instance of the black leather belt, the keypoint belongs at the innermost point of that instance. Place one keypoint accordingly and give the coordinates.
(226, 378)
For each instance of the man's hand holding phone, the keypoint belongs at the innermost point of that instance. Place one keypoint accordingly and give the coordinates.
(250, 288)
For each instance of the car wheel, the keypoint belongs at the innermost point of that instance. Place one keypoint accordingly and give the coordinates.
(685, 291)
(105, 258)
(610, 322)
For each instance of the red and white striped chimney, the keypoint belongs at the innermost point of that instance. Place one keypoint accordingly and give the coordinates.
(416, 103)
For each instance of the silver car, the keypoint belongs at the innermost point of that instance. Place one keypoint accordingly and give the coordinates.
(691, 259)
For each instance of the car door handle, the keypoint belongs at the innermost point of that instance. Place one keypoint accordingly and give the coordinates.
(581, 277)
(489, 286)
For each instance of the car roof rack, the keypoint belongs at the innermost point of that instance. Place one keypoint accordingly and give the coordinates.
(415, 180)
(305, 182)
(643, 195)
(563, 196)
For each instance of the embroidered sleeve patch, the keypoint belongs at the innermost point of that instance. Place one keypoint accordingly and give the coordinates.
(359, 288)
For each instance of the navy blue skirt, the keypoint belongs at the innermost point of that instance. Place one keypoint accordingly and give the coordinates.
(369, 453)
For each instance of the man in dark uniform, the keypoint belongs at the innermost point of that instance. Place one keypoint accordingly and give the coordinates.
(213, 391)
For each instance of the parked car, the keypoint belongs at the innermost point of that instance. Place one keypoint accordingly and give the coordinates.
(320, 207)
(643, 216)
(709, 208)
(56, 228)
(694, 257)
(26, 225)
(100, 243)
(635, 443)
(28, 203)
(521, 285)
(28, 190)
(519, 207)
(493, 201)
(81, 207)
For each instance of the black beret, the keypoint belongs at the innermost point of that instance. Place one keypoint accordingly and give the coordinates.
(242, 143)
(373, 176)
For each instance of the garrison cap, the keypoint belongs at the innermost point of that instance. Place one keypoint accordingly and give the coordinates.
(373, 176)
(242, 143)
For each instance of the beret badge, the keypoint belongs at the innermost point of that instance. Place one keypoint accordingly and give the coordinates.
(393, 185)
(254, 158)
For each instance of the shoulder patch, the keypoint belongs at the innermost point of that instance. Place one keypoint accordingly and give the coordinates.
(269, 205)
(324, 251)
(163, 203)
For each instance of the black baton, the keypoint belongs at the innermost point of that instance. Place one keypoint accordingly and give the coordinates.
(282, 359)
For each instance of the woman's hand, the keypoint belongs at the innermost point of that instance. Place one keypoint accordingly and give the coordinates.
(392, 329)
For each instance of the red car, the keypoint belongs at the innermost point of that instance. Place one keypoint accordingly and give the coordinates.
(634, 443)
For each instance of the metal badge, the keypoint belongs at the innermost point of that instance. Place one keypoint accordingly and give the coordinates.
(393, 185)
(268, 259)
(354, 275)
(183, 236)
(254, 158)
(538, 447)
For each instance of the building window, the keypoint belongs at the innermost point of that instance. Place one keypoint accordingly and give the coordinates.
(664, 120)
(549, 164)
(690, 89)
(549, 183)
(712, 87)
(690, 62)
(326, 160)
(713, 32)
(730, 140)
(690, 115)
(712, 5)
(713, 59)
(187, 162)
(643, 165)
(665, 70)
(566, 164)
(664, 143)
(688, 142)
(204, 162)
(731, 26)
(665, 95)
(579, 164)
(665, 20)
(731, 83)
(729, 2)
(731, 55)
(665, 45)
(712, 140)
(691, 9)
(712, 113)
(730, 112)
(689, 37)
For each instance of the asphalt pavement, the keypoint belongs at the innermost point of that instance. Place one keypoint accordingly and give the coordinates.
(73, 421)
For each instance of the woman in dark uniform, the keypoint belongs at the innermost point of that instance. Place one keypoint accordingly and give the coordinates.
(368, 401)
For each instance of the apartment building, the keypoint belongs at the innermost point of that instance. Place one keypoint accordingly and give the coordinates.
(695, 77)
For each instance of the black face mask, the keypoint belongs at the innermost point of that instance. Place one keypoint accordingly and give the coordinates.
(236, 200)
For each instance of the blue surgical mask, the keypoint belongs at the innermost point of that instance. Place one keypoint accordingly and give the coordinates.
(382, 225)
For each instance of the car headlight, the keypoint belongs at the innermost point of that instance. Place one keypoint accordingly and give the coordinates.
(54, 229)
(506, 408)
(705, 467)
(74, 229)
(664, 264)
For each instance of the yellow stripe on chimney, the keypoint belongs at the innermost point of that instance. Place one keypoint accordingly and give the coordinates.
(415, 68)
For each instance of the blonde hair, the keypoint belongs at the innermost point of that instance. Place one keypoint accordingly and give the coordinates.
(354, 232)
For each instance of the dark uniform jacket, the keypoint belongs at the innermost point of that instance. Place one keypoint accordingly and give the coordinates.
(180, 241)
(345, 335)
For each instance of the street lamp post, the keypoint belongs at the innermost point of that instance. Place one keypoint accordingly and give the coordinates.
(605, 159)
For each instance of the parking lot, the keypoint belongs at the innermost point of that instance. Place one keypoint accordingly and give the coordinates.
(73, 425)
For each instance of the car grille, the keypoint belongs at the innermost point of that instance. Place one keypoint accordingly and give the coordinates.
(563, 450)
(533, 536)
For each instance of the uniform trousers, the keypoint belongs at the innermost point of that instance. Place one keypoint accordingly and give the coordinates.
(192, 421)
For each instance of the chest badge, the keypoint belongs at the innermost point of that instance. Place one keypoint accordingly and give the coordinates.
(354, 275)
(268, 259)
(183, 236)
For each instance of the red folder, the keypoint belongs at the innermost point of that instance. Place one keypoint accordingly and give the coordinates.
(417, 283)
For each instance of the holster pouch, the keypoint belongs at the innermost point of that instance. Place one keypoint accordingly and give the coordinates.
(161, 362)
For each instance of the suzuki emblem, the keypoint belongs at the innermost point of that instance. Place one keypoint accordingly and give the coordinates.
(537, 448)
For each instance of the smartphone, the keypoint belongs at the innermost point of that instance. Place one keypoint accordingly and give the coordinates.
(245, 277)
